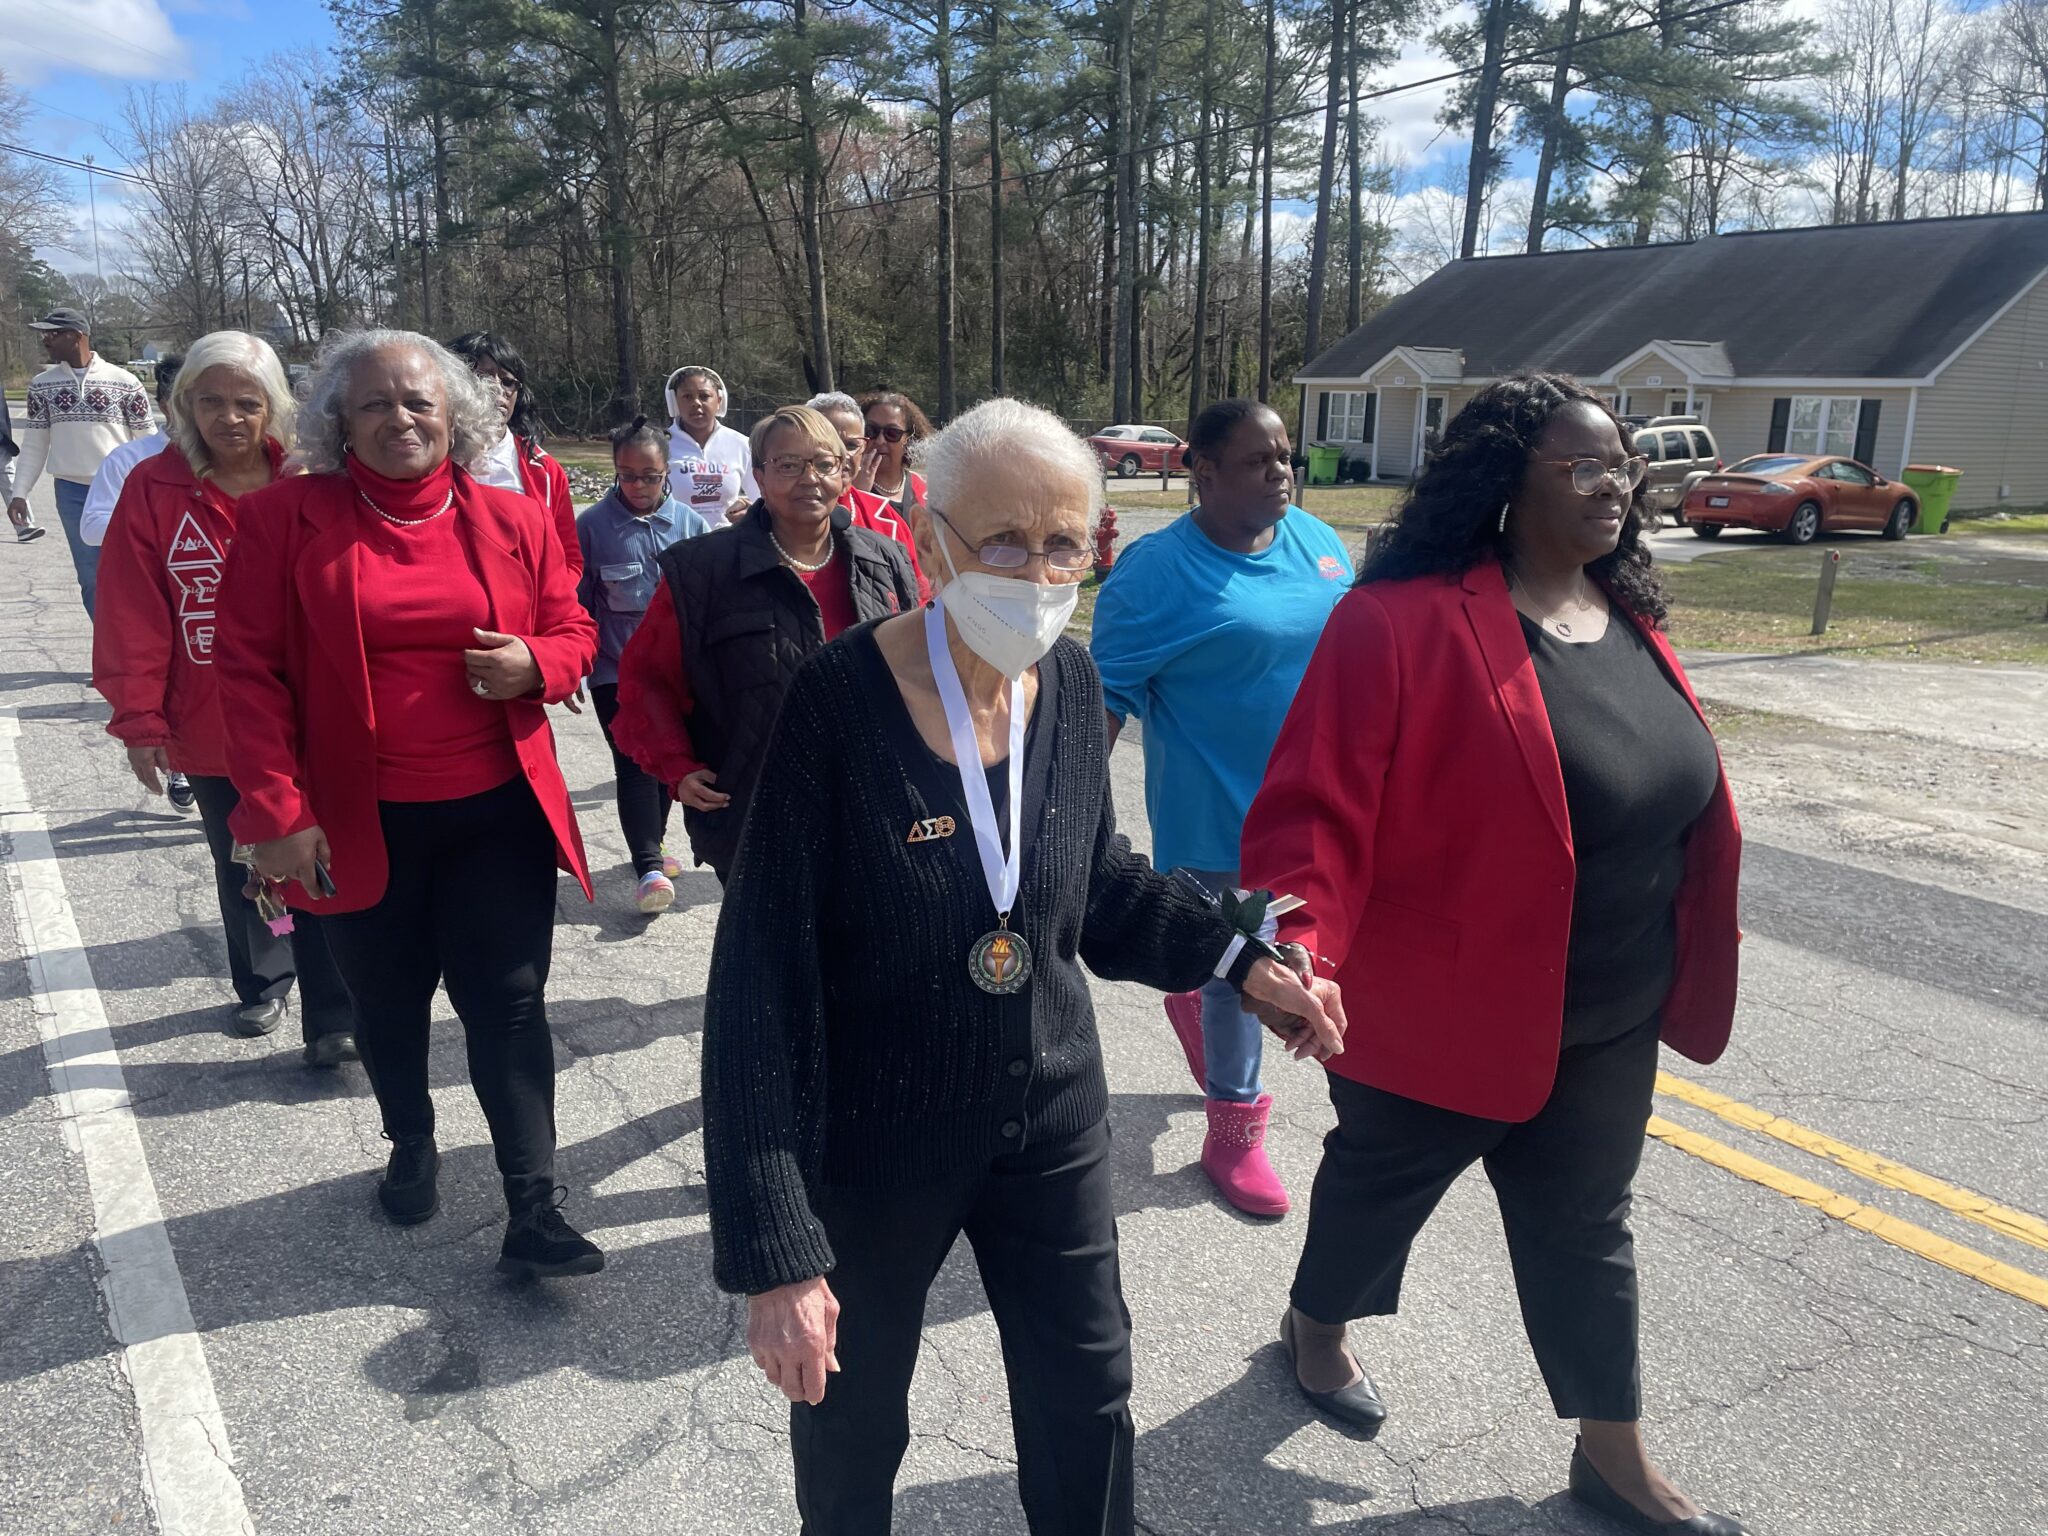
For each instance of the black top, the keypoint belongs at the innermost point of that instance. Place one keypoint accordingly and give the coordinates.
(844, 1040)
(1639, 767)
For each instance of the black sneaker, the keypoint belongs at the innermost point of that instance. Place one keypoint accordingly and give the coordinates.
(540, 1244)
(178, 789)
(407, 1191)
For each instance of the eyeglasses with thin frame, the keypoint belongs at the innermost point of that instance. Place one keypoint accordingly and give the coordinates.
(1014, 557)
(893, 434)
(824, 465)
(1588, 475)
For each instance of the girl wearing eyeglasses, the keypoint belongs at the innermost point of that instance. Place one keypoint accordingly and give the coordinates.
(1504, 811)
(893, 425)
(622, 538)
(735, 616)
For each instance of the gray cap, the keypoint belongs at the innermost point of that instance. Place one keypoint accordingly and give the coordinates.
(62, 320)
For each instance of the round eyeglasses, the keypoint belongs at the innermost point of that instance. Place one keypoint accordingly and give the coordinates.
(1588, 475)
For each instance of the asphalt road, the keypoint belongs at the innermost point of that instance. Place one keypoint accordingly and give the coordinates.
(1803, 1372)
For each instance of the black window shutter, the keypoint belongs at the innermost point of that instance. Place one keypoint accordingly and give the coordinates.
(1866, 431)
(1781, 418)
(1323, 414)
(1372, 417)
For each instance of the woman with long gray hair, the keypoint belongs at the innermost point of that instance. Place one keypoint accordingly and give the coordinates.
(153, 651)
(390, 631)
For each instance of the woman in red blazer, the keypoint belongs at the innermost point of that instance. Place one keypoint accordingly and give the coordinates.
(515, 459)
(1506, 816)
(390, 630)
(153, 651)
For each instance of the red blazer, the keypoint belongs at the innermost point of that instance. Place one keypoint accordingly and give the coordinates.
(152, 651)
(296, 684)
(548, 483)
(1414, 801)
(878, 516)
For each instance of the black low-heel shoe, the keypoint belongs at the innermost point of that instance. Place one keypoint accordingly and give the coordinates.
(1591, 1490)
(1357, 1407)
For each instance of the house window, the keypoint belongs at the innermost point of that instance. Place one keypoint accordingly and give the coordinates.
(1823, 424)
(1352, 416)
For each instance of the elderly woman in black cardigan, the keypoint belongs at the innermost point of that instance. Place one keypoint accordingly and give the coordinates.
(899, 1042)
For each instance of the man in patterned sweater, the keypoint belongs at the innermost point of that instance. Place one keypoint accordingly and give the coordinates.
(80, 409)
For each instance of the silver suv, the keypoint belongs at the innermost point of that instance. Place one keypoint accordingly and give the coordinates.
(1681, 451)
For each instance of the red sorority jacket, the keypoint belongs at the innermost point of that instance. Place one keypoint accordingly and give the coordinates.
(878, 516)
(548, 483)
(152, 649)
(1414, 801)
(295, 682)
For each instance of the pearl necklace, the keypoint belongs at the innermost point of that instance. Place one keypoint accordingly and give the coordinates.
(789, 559)
(405, 522)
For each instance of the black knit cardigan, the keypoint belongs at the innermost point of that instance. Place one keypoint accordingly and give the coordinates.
(844, 1041)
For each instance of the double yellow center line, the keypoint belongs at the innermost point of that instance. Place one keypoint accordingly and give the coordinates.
(1965, 1203)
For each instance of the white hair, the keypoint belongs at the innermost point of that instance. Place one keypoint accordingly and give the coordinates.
(247, 355)
(1006, 430)
(832, 400)
(474, 421)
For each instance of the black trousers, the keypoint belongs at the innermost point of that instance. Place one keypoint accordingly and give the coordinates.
(643, 802)
(1043, 1229)
(471, 902)
(261, 964)
(1564, 1182)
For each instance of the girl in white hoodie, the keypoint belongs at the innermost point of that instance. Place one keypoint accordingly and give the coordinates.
(710, 469)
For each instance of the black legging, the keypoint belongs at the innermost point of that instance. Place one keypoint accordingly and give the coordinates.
(471, 902)
(1564, 1182)
(261, 964)
(643, 802)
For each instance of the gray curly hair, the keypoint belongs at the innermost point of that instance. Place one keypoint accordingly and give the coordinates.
(474, 424)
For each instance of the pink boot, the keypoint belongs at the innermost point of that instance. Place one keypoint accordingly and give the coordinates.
(1234, 1157)
(1184, 1013)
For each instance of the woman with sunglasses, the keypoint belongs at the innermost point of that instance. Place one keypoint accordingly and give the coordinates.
(735, 616)
(1505, 814)
(516, 462)
(894, 426)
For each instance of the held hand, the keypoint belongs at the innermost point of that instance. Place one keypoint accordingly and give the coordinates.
(736, 509)
(503, 669)
(292, 858)
(696, 792)
(793, 1335)
(1307, 1014)
(574, 703)
(149, 763)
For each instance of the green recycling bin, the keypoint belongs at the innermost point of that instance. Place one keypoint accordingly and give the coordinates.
(1323, 462)
(1935, 486)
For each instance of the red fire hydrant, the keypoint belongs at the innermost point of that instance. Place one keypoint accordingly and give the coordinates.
(1105, 542)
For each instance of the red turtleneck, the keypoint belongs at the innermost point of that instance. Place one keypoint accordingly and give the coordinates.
(419, 602)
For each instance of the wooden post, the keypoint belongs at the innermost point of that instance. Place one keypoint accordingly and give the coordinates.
(1824, 598)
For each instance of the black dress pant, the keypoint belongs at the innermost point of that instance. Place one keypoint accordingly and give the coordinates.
(643, 801)
(1564, 1182)
(471, 902)
(261, 964)
(1043, 1228)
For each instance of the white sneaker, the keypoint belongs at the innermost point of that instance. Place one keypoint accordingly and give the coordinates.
(657, 893)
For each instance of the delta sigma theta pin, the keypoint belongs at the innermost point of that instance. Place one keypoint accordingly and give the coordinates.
(931, 827)
(1000, 962)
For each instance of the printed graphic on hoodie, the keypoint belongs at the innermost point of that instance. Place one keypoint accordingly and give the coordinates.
(195, 562)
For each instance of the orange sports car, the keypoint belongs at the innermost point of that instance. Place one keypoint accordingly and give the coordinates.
(1799, 497)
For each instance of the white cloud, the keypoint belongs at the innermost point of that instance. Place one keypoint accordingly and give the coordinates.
(118, 39)
(1409, 131)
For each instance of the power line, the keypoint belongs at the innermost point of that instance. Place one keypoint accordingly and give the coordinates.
(111, 173)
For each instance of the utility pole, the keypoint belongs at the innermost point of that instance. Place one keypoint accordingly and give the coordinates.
(92, 197)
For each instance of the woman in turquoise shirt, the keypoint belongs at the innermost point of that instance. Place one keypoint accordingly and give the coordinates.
(1203, 631)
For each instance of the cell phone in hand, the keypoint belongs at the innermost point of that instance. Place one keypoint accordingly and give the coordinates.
(323, 880)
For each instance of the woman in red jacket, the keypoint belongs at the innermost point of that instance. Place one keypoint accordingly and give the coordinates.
(153, 647)
(390, 630)
(515, 459)
(893, 426)
(1506, 816)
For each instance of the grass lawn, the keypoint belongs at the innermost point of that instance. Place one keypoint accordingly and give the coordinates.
(1892, 601)
(2024, 521)
(594, 455)
(1347, 508)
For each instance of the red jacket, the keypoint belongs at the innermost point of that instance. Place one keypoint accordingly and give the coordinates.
(1414, 801)
(548, 483)
(152, 650)
(878, 516)
(296, 684)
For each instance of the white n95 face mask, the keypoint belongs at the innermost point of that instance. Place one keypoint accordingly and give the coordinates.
(1008, 622)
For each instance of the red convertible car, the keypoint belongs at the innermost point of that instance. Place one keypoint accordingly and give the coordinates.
(1799, 497)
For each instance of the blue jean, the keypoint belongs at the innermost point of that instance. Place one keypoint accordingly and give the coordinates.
(85, 558)
(1232, 1040)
